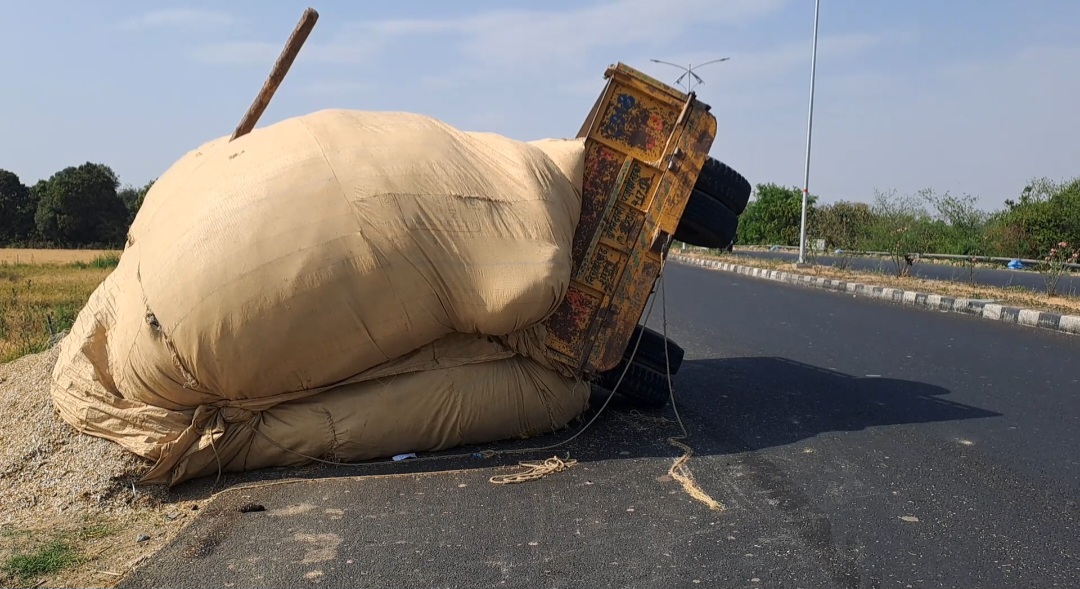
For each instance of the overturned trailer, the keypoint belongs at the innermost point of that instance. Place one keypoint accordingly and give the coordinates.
(350, 285)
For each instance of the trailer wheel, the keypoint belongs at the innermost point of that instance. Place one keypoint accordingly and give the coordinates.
(706, 222)
(650, 351)
(721, 182)
(647, 387)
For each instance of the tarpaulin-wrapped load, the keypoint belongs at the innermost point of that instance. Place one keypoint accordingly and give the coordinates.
(328, 285)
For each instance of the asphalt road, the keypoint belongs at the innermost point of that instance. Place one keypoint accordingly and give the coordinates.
(1029, 279)
(853, 444)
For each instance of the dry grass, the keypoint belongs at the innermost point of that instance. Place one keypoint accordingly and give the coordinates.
(68, 509)
(1013, 296)
(41, 300)
(50, 256)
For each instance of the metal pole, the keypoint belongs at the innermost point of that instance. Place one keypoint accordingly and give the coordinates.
(809, 131)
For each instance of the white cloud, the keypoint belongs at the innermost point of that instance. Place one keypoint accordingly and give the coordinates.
(179, 18)
(748, 77)
(238, 53)
(524, 38)
(263, 53)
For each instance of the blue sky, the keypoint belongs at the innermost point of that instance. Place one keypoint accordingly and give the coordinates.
(962, 95)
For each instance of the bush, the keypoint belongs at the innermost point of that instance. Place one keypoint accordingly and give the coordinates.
(773, 216)
(1055, 264)
(1045, 214)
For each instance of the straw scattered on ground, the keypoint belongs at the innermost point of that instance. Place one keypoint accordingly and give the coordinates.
(69, 513)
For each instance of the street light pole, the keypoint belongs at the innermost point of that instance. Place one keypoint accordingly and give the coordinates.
(689, 72)
(809, 131)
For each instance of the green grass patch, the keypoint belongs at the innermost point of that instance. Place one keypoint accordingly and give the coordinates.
(50, 557)
(27, 555)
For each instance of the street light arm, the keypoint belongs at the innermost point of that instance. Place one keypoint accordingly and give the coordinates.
(688, 71)
(682, 67)
(713, 61)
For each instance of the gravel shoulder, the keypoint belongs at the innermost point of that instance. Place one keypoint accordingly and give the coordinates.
(57, 485)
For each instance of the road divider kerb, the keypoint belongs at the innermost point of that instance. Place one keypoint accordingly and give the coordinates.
(981, 308)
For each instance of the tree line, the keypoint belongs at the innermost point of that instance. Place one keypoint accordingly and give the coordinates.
(1044, 215)
(78, 207)
(85, 206)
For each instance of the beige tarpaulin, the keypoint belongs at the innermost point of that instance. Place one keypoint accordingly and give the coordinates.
(329, 281)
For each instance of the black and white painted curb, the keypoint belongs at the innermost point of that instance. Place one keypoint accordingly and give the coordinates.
(1029, 317)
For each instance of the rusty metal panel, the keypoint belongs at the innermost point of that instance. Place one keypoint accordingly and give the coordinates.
(645, 145)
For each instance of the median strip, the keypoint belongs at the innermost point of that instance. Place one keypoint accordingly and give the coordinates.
(986, 309)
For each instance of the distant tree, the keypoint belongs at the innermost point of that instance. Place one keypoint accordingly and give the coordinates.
(79, 206)
(960, 223)
(133, 198)
(1046, 213)
(902, 227)
(774, 216)
(128, 195)
(843, 224)
(142, 194)
(16, 210)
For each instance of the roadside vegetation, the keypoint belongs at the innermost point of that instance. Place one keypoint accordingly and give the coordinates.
(1042, 224)
(40, 301)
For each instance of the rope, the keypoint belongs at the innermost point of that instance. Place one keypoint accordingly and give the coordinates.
(534, 470)
(682, 474)
(678, 470)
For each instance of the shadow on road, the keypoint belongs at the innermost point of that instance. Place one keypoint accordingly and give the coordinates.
(729, 405)
(761, 402)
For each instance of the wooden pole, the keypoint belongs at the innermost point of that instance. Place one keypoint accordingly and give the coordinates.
(277, 74)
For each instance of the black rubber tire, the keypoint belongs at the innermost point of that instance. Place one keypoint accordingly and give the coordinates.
(706, 222)
(724, 184)
(650, 352)
(644, 385)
